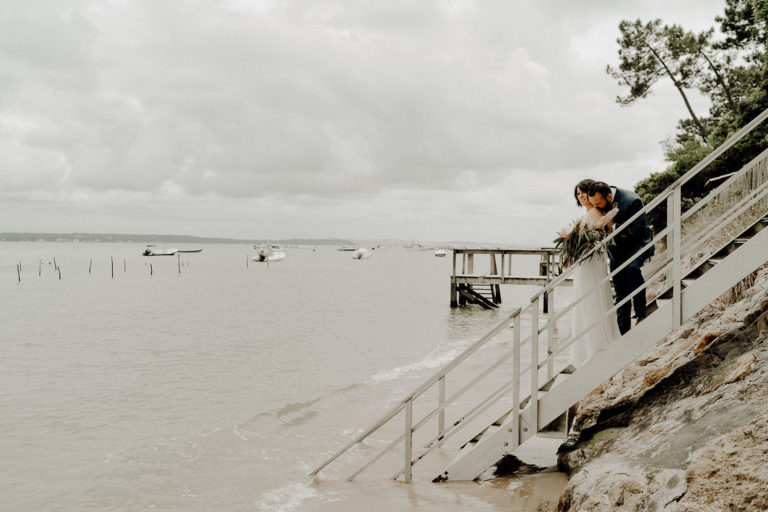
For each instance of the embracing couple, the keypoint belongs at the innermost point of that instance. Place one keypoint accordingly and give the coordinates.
(608, 208)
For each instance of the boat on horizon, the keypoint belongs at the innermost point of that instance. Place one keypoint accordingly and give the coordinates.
(268, 253)
(151, 250)
(190, 250)
(440, 253)
(347, 248)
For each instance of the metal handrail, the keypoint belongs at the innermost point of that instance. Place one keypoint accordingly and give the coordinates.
(723, 186)
(731, 215)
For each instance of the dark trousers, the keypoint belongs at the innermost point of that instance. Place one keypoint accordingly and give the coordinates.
(624, 283)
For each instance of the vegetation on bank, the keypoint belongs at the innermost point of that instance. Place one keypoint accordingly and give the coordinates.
(730, 67)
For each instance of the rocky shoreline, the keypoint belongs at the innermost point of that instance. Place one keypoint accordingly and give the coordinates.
(685, 427)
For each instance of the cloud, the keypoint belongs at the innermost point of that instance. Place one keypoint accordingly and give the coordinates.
(282, 103)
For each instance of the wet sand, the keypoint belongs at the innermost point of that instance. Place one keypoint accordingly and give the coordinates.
(519, 493)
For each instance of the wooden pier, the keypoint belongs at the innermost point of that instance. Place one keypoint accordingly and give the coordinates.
(485, 289)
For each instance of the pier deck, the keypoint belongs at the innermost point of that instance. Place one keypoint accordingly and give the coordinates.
(484, 289)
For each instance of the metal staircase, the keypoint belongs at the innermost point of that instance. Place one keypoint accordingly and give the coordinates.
(515, 406)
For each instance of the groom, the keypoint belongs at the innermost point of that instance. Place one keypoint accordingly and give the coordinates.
(628, 242)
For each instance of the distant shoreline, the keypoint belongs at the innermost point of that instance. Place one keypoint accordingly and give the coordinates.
(144, 238)
(189, 239)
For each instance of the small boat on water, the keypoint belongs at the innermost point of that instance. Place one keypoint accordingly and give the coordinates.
(440, 253)
(361, 254)
(190, 250)
(268, 253)
(151, 250)
(347, 248)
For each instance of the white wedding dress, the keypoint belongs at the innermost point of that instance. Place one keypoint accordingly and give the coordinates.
(592, 308)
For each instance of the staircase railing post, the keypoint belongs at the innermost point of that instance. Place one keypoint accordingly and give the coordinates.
(407, 470)
(515, 430)
(671, 234)
(534, 401)
(676, 256)
(551, 334)
(441, 414)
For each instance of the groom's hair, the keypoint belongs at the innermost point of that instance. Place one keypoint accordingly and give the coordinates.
(583, 185)
(599, 187)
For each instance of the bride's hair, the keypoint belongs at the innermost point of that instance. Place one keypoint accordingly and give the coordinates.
(583, 185)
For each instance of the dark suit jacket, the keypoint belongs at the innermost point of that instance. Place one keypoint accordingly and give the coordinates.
(637, 234)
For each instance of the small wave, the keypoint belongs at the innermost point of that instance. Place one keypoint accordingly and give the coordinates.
(285, 499)
(300, 411)
(293, 413)
(435, 359)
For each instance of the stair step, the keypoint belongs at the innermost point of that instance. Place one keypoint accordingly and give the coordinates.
(546, 386)
(553, 434)
(563, 374)
(472, 442)
(740, 241)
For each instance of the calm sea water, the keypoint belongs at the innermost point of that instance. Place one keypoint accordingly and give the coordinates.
(217, 385)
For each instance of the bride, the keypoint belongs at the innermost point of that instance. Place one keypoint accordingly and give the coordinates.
(597, 298)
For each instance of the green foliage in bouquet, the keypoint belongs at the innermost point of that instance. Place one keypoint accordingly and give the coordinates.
(573, 243)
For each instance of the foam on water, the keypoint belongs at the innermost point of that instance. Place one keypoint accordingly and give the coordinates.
(285, 499)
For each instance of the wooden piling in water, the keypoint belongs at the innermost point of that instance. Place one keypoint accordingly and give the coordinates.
(112, 261)
(18, 271)
(150, 269)
(178, 260)
(59, 269)
(90, 265)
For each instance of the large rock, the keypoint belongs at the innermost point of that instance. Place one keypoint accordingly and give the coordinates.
(731, 472)
(736, 371)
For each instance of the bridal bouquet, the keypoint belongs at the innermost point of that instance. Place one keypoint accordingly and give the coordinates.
(577, 239)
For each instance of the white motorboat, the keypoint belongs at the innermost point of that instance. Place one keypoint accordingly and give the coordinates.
(268, 253)
(440, 253)
(361, 254)
(346, 248)
(151, 250)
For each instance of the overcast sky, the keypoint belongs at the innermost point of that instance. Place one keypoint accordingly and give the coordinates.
(419, 119)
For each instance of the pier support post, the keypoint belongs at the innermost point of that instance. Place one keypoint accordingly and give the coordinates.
(454, 295)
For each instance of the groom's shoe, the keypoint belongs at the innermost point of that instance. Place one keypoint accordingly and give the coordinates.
(639, 319)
